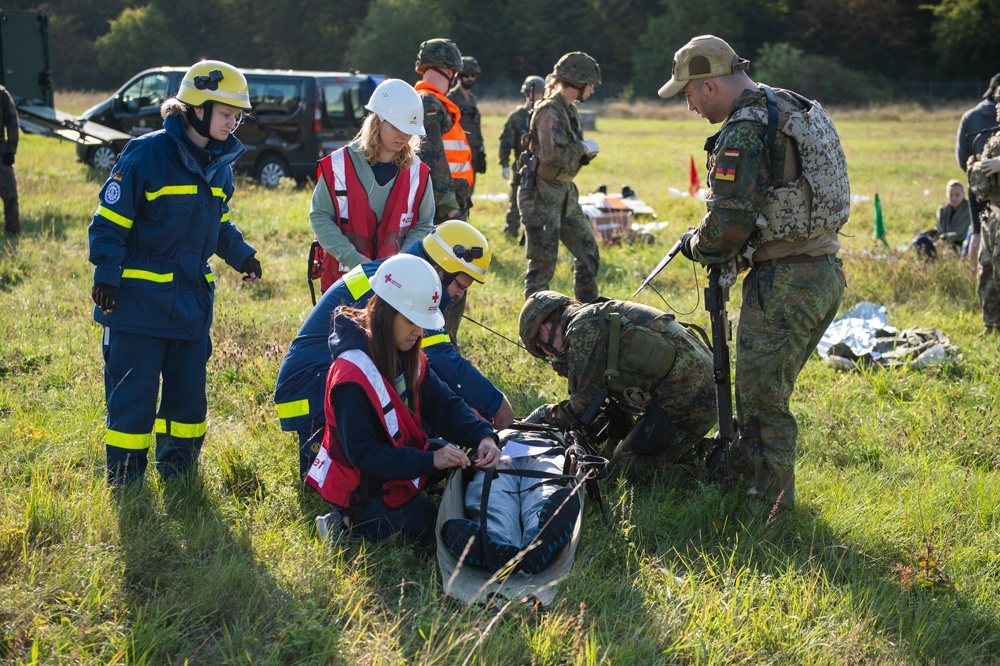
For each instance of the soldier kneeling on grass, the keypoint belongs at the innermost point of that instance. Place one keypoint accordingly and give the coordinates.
(652, 367)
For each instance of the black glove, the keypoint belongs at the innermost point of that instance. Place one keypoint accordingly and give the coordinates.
(104, 296)
(8, 159)
(686, 239)
(537, 416)
(251, 265)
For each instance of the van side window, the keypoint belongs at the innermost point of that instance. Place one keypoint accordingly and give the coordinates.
(145, 94)
(275, 97)
(343, 101)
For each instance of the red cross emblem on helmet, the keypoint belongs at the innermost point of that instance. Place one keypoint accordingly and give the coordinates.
(435, 297)
(388, 277)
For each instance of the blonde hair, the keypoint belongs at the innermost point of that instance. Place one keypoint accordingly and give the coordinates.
(369, 144)
(952, 183)
(173, 107)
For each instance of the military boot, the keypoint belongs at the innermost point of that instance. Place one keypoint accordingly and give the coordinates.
(774, 485)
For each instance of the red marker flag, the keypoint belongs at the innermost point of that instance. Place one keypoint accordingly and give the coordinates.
(695, 183)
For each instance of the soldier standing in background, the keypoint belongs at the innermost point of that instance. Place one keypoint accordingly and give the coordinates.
(463, 98)
(988, 184)
(514, 128)
(794, 287)
(445, 147)
(9, 135)
(973, 131)
(548, 200)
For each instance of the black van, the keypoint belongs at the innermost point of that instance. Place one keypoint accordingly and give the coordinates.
(297, 117)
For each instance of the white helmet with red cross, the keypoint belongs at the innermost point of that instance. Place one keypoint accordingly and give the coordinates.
(411, 286)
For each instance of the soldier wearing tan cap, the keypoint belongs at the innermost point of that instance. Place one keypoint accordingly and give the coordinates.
(778, 195)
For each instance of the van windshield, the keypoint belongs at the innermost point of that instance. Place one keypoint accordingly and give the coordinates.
(275, 97)
(343, 101)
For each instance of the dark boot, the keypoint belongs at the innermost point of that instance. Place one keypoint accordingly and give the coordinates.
(774, 486)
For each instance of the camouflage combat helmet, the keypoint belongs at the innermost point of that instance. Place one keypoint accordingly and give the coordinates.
(577, 68)
(534, 85)
(534, 312)
(439, 53)
(470, 66)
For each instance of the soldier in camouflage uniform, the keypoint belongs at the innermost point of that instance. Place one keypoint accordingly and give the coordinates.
(516, 126)
(989, 253)
(763, 212)
(9, 134)
(656, 362)
(465, 100)
(548, 199)
(438, 62)
(445, 147)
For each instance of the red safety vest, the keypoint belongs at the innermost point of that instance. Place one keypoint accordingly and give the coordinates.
(374, 238)
(332, 473)
(456, 145)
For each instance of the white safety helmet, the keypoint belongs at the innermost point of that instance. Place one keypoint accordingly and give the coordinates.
(398, 103)
(411, 286)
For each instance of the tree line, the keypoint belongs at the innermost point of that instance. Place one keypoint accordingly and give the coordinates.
(835, 50)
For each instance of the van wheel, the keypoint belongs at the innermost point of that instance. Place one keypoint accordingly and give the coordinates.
(103, 157)
(271, 169)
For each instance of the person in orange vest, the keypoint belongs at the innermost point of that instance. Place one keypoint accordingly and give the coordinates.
(444, 148)
(383, 200)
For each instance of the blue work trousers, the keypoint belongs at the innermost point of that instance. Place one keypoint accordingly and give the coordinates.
(133, 368)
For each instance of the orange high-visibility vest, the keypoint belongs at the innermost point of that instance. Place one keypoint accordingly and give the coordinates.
(456, 146)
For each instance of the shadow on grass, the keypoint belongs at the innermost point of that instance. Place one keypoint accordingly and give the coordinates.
(899, 608)
(196, 588)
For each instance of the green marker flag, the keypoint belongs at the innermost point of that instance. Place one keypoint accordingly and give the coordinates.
(879, 232)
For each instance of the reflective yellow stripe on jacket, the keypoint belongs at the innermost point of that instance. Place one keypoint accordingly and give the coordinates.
(432, 340)
(289, 410)
(357, 282)
(137, 274)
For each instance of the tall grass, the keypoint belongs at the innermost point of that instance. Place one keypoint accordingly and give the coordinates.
(890, 555)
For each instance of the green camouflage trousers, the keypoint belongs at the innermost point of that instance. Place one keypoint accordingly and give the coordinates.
(989, 256)
(8, 193)
(786, 309)
(513, 215)
(550, 212)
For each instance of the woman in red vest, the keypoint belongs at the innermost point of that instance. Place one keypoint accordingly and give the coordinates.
(373, 196)
(375, 458)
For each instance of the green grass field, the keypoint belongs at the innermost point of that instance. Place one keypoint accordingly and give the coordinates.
(892, 554)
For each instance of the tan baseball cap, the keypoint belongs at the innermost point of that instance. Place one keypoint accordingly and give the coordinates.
(703, 57)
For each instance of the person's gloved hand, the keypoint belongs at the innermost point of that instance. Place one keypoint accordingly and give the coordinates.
(104, 296)
(252, 269)
(505, 172)
(686, 239)
(592, 148)
(537, 416)
(8, 159)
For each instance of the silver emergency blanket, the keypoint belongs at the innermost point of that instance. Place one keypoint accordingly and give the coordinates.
(862, 337)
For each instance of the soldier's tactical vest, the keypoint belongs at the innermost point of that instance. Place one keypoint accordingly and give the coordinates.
(985, 187)
(641, 348)
(819, 199)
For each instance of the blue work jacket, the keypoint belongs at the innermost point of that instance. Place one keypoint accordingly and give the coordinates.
(163, 213)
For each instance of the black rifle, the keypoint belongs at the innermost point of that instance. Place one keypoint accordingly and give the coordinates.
(528, 170)
(715, 304)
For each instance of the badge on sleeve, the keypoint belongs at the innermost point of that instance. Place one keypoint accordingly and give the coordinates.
(112, 193)
(725, 171)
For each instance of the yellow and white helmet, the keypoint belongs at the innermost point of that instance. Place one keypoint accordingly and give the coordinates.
(458, 247)
(215, 81)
